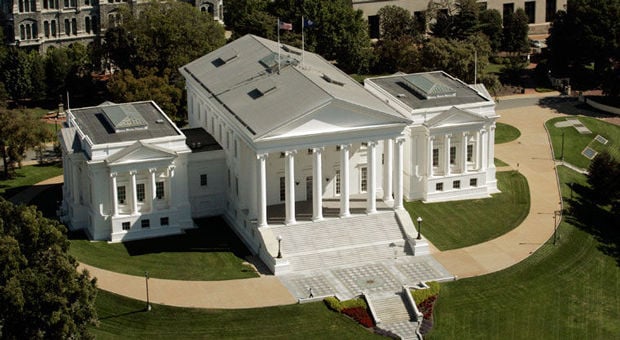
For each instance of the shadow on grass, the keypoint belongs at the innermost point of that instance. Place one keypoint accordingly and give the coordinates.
(120, 315)
(598, 221)
(571, 106)
(212, 235)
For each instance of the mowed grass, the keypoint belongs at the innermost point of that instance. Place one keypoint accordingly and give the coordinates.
(120, 317)
(574, 142)
(211, 252)
(567, 291)
(451, 225)
(505, 133)
(26, 176)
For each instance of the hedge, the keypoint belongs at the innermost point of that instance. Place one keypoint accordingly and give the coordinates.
(420, 295)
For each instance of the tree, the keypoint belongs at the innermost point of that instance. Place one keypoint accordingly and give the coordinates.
(250, 17)
(603, 175)
(41, 293)
(456, 57)
(466, 19)
(490, 23)
(16, 74)
(19, 131)
(401, 54)
(515, 32)
(395, 22)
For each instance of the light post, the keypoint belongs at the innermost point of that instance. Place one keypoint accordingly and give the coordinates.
(279, 246)
(419, 228)
(148, 304)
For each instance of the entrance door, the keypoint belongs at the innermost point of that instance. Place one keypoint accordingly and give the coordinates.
(309, 188)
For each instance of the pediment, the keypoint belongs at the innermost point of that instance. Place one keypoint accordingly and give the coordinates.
(455, 117)
(140, 152)
(334, 117)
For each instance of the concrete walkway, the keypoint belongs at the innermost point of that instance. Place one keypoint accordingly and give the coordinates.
(530, 154)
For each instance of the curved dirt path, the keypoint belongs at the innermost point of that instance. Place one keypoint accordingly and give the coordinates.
(531, 155)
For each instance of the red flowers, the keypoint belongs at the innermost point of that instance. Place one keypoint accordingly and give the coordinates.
(360, 315)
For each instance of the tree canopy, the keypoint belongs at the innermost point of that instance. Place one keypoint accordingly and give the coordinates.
(515, 32)
(42, 295)
(396, 22)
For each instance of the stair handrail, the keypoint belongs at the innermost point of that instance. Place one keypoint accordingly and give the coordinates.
(371, 307)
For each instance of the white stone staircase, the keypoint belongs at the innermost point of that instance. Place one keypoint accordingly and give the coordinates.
(391, 313)
(341, 241)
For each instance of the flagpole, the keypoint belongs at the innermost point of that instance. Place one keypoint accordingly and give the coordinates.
(278, 45)
(302, 41)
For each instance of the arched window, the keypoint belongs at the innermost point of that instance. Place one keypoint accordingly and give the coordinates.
(67, 27)
(22, 32)
(53, 29)
(87, 24)
(74, 26)
(28, 32)
(35, 31)
(46, 29)
(111, 21)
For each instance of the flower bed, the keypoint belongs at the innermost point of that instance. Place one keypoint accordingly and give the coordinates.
(357, 309)
(360, 315)
(425, 300)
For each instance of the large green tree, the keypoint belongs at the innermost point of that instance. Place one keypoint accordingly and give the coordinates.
(42, 295)
(396, 22)
(603, 175)
(16, 74)
(490, 24)
(250, 17)
(515, 33)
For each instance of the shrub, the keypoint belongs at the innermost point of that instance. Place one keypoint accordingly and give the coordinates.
(360, 315)
(419, 295)
(333, 303)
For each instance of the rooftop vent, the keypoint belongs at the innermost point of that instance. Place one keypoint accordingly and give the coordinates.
(227, 56)
(263, 87)
(270, 62)
(124, 118)
(427, 87)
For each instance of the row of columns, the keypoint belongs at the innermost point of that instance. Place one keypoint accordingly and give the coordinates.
(317, 196)
(133, 192)
(482, 149)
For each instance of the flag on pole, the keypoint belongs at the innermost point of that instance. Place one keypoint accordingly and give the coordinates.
(287, 26)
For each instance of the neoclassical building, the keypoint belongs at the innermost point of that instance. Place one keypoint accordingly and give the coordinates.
(283, 145)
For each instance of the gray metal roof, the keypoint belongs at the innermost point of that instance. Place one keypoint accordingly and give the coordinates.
(95, 122)
(199, 140)
(263, 96)
(438, 85)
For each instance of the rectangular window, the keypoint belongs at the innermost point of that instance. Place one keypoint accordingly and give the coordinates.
(470, 152)
(309, 151)
(364, 179)
(282, 155)
(121, 195)
(435, 157)
(282, 189)
(337, 182)
(159, 190)
(452, 154)
(140, 193)
(374, 26)
(456, 184)
(126, 225)
(203, 180)
(473, 182)
(145, 223)
(163, 221)
(530, 11)
(337, 147)
(550, 10)
(67, 27)
(74, 26)
(439, 187)
(508, 10)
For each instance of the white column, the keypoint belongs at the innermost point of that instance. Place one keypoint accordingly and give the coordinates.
(491, 142)
(398, 190)
(289, 180)
(134, 194)
(317, 176)
(464, 153)
(253, 201)
(114, 194)
(168, 194)
(344, 180)
(152, 171)
(478, 150)
(387, 170)
(483, 151)
(430, 140)
(446, 147)
(75, 181)
(262, 190)
(371, 200)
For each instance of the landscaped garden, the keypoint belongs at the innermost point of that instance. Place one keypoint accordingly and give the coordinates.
(210, 252)
(457, 224)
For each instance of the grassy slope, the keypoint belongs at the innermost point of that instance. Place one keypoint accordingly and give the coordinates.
(451, 225)
(568, 291)
(124, 318)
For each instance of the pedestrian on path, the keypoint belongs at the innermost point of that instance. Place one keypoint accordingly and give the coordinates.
(311, 293)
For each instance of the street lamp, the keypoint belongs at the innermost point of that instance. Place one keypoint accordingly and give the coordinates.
(279, 246)
(148, 304)
(419, 227)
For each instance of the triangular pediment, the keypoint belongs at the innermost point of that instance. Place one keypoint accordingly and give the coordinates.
(333, 117)
(140, 152)
(455, 117)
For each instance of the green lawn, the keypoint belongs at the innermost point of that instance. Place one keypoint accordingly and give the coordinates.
(451, 225)
(574, 142)
(498, 162)
(211, 252)
(567, 291)
(27, 176)
(120, 317)
(505, 133)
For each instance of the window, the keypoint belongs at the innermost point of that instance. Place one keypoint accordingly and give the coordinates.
(203, 180)
(140, 193)
(439, 187)
(121, 195)
(146, 223)
(374, 26)
(74, 26)
(87, 26)
(530, 10)
(309, 152)
(337, 182)
(470, 152)
(159, 190)
(452, 154)
(282, 154)
(482, 6)
(364, 179)
(66, 3)
(67, 27)
(435, 157)
(337, 147)
(46, 29)
(473, 182)
(508, 10)
(237, 186)
(456, 184)
(282, 189)
(163, 221)
(126, 225)
(550, 10)
(53, 28)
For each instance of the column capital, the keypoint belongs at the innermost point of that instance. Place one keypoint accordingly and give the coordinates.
(372, 143)
(152, 170)
(345, 147)
(465, 133)
(318, 149)
(113, 174)
(133, 172)
(262, 156)
(399, 140)
(290, 153)
(447, 135)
